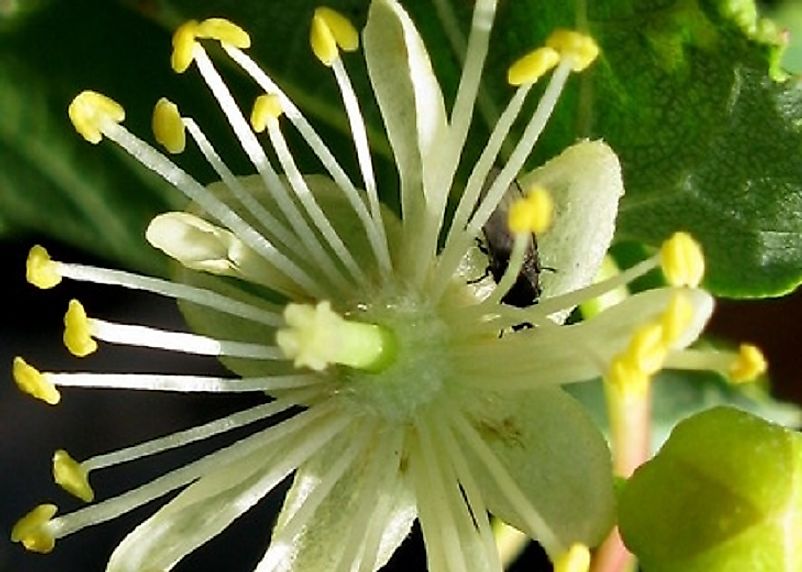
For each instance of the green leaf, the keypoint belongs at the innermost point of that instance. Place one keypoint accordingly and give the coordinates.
(708, 141)
(722, 494)
(52, 182)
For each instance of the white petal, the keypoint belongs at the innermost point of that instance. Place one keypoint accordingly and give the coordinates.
(409, 98)
(556, 455)
(585, 183)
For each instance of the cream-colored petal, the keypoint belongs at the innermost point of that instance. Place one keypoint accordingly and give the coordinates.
(554, 453)
(329, 532)
(585, 183)
(573, 353)
(208, 506)
(200, 245)
(410, 101)
(195, 516)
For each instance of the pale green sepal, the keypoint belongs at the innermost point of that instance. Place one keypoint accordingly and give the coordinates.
(555, 454)
(410, 101)
(322, 541)
(585, 183)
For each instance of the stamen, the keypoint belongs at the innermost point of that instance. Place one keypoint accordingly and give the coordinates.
(256, 154)
(373, 228)
(160, 164)
(375, 504)
(330, 31)
(531, 67)
(647, 348)
(359, 134)
(522, 150)
(194, 434)
(261, 442)
(580, 49)
(77, 331)
(317, 337)
(576, 559)
(458, 240)
(676, 318)
(266, 107)
(147, 337)
(40, 270)
(507, 485)
(510, 273)
(281, 543)
(33, 529)
(168, 128)
(749, 365)
(31, 381)
(302, 191)
(627, 377)
(446, 438)
(460, 121)
(269, 224)
(461, 238)
(183, 46)
(72, 476)
(181, 383)
(91, 111)
(682, 260)
(200, 296)
(437, 506)
(186, 36)
(223, 31)
(533, 214)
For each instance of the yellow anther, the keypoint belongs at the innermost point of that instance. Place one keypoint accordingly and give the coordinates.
(32, 530)
(682, 260)
(748, 365)
(168, 127)
(90, 110)
(317, 336)
(71, 476)
(40, 270)
(532, 66)
(33, 382)
(647, 348)
(627, 377)
(266, 108)
(184, 46)
(579, 48)
(533, 213)
(575, 559)
(677, 318)
(330, 31)
(77, 332)
(223, 31)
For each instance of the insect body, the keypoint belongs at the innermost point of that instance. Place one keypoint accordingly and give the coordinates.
(497, 245)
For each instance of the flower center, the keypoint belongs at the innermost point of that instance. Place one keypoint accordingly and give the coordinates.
(418, 374)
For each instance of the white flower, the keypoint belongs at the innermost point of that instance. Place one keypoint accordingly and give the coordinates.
(411, 402)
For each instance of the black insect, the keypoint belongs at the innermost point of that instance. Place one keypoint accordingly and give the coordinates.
(497, 245)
